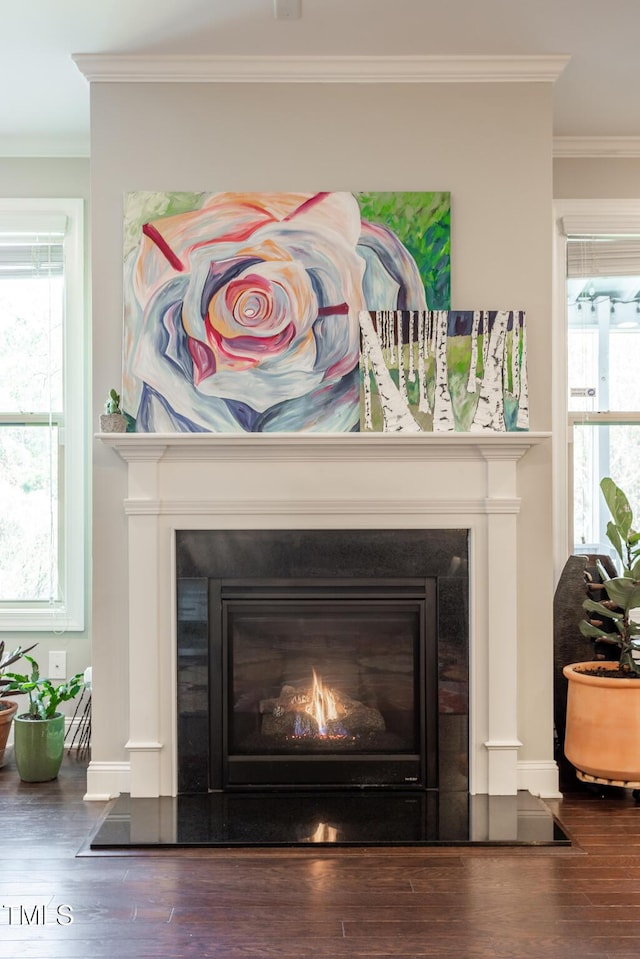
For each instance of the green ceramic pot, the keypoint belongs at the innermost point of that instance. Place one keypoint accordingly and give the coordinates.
(38, 747)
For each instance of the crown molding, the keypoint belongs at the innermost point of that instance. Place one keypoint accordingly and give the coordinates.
(596, 147)
(152, 68)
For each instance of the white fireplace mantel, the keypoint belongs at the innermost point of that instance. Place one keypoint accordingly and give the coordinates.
(319, 446)
(235, 481)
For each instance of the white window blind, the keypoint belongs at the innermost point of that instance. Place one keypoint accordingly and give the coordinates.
(605, 245)
(22, 257)
(603, 256)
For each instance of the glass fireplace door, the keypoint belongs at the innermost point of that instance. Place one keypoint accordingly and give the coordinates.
(323, 693)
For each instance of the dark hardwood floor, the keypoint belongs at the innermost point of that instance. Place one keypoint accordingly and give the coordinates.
(467, 903)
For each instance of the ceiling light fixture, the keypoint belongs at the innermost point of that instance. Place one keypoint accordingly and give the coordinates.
(287, 9)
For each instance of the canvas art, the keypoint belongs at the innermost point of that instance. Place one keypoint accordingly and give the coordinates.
(242, 311)
(444, 371)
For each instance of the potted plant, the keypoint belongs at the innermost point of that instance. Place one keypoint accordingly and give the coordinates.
(113, 419)
(39, 733)
(8, 709)
(603, 701)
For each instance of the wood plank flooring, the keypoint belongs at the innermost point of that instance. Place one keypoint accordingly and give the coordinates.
(467, 903)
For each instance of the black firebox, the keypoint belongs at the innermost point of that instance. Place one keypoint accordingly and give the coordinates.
(324, 683)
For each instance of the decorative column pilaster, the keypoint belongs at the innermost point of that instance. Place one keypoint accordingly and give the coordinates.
(142, 507)
(502, 743)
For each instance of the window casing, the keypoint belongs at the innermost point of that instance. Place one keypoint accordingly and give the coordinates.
(42, 357)
(596, 352)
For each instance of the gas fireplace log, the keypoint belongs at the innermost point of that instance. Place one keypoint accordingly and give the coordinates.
(294, 713)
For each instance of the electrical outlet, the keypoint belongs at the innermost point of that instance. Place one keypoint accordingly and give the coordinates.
(57, 665)
(287, 9)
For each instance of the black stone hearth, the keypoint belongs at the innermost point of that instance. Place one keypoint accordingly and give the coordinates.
(214, 563)
(329, 820)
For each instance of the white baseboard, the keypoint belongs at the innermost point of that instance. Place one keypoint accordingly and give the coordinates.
(540, 778)
(106, 780)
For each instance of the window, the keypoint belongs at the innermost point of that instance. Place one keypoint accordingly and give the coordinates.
(601, 244)
(41, 415)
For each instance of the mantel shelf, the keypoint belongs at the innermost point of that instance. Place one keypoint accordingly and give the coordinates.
(288, 447)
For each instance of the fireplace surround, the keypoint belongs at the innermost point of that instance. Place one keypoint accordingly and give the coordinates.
(349, 482)
(276, 628)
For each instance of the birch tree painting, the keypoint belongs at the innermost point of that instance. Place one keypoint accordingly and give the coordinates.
(444, 371)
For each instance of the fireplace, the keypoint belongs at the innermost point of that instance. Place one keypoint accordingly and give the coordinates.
(348, 670)
(324, 686)
(182, 488)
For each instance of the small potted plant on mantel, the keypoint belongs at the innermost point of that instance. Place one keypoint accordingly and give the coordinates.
(113, 419)
(39, 733)
(602, 739)
(8, 709)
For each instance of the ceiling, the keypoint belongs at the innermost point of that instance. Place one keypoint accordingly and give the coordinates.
(44, 109)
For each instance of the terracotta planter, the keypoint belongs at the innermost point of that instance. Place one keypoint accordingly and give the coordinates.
(603, 726)
(39, 747)
(6, 717)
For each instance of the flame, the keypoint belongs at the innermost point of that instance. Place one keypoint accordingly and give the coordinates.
(324, 833)
(322, 706)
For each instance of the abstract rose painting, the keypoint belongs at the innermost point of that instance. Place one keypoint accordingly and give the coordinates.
(242, 309)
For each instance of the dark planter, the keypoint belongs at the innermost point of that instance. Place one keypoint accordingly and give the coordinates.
(39, 747)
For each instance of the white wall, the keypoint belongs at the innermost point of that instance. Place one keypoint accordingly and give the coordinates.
(489, 144)
(43, 177)
(36, 177)
(596, 178)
